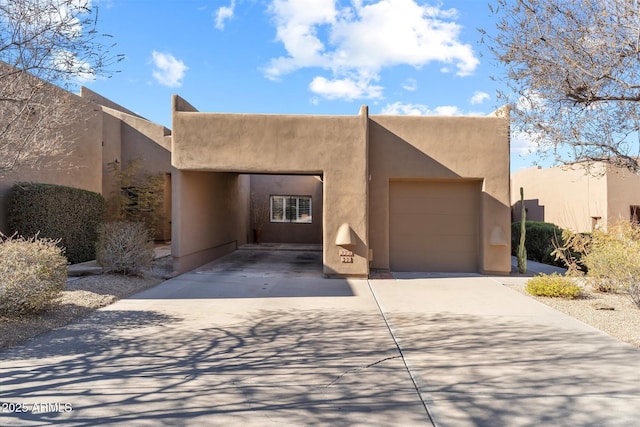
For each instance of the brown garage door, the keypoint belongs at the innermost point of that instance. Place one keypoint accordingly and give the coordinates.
(433, 226)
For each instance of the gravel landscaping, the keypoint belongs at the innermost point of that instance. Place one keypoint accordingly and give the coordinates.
(612, 313)
(82, 296)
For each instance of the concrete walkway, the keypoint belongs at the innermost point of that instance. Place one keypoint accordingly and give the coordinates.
(534, 268)
(212, 347)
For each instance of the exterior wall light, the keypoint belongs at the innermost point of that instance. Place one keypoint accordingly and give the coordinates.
(498, 237)
(346, 237)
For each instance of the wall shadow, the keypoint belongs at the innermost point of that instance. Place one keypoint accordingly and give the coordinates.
(534, 210)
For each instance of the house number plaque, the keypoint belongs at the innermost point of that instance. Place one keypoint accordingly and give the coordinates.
(346, 256)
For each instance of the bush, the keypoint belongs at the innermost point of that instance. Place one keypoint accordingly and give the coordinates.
(538, 241)
(124, 247)
(613, 260)
(70, 215)
(570, 250)
(553, 285)
(33, 273)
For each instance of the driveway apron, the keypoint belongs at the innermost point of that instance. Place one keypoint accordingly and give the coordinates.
(218, 347)
(227, 345)
(485, 355)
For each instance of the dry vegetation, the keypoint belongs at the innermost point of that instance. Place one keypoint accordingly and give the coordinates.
(613, 313)
(82, 296)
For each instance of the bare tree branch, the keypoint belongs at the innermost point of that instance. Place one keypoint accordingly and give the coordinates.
(572, 74)
(52, 41)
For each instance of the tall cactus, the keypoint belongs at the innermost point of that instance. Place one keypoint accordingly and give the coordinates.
(522, 251)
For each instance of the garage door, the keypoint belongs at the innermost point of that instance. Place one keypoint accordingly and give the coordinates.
(433, 226)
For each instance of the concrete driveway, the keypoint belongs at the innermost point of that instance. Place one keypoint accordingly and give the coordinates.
(227, 346)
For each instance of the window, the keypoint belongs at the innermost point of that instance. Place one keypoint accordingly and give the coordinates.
(138, 199)
(291, 209)
(634, 214)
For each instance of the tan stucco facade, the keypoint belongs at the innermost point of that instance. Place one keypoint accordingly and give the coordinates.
(127, 137)
(357, 157)
(575, 198)
(334, 147)
(102, 132)
(80, 166)
(447, 149)
(263, 187)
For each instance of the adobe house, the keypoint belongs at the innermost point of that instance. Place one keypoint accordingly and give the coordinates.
(575, 198)
(101, 132)
(396, 192)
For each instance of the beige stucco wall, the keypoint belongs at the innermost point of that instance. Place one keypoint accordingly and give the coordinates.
(209, 216)
(80, 167)
(332, 146)
(264, 186)
(623, 191)
(96, 98)
(111, 152)
(128, 138)
(443, 148)
(568, 196)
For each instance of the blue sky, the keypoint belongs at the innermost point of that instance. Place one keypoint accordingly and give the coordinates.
(301, 57)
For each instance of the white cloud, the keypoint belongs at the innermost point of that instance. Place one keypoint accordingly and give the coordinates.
(345, 88)
(168, 70)
(356, 42)
(70, 63)
(410, 85)
(223, 14)
(479, 97)
(522, 144)
(400, 109)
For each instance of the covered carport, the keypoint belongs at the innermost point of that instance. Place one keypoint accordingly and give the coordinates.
(215, 154)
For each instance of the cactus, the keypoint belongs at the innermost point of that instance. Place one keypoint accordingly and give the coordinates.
(522, 251)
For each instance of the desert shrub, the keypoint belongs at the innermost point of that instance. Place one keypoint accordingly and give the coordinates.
(70, 215)
(614, 260)
(33, 273)
(538, 242)
(553, 285)
(570, 250)
(124, 247)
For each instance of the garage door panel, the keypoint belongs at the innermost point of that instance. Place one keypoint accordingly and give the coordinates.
(457, 261)
(433, 226)
(412, 206)
(449, 244)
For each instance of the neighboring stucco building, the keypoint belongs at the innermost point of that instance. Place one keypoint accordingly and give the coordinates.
(101, 132)
(575, 198)
(398, 193)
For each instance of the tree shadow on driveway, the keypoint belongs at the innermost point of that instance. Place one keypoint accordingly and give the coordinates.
(268, 367)
(481, 370)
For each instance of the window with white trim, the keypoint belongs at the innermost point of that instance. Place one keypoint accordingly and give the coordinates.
(291, 209)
